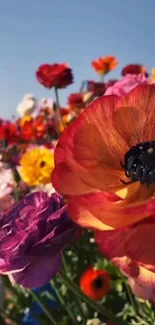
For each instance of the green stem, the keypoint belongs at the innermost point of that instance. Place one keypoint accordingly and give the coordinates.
(57, 98)
(58, 116)
(102, 78)
(131, 298)
(44, 308)
(100, 309)
(63, 303)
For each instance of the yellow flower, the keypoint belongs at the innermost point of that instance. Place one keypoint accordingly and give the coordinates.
(36, 166)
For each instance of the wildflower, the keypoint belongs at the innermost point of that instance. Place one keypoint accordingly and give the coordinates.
(36, 166)
(33, 233)
(95, 283)
(104, 65)
(54, 75)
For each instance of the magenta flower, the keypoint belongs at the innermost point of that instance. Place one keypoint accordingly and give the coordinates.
(126, 84)
(32, 235)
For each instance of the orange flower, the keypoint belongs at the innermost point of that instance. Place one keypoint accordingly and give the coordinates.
(105, 161)
(95, 283)
(104, 65)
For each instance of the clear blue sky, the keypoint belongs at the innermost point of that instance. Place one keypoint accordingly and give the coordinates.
(33, 32)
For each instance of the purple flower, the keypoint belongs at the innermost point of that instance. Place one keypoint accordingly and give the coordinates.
(32, 236)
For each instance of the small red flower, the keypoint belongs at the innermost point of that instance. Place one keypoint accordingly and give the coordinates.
(134, 69)
(76, 101)
(54, 75)
(97, 88)
(39, 127)
(95, 283)
(9, 132)
(27, 131)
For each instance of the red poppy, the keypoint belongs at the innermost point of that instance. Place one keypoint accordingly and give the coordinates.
(9, 132)
(54, 75)
(104, 65)
(97, 88)
(76, 100)
(134, 69)
(95, 283)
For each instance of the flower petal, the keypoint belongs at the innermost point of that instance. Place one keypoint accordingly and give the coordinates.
(109, 209)
(142, 98)
(39, 272)
(129, 122)
(88, 150)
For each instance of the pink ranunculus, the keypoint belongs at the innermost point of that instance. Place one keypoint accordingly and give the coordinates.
(126, 84)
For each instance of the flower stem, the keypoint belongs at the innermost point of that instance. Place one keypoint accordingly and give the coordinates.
(100, 309)
(63, 303)
(58, 116)
(43, 306)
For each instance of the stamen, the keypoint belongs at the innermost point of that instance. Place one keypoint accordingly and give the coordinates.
(139, 163)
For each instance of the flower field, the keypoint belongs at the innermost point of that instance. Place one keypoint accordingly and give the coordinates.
(77, 201)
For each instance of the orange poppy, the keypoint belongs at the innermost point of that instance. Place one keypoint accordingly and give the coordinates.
(110, 167)
(104, 65)
(95, 283)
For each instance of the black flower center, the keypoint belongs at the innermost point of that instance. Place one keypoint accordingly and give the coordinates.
(139, 163)
(98, 283)
(42, 164)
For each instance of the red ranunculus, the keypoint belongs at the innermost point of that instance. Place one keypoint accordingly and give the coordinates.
(134, 69)
(9, 132)
(54, 75)
(76, 101)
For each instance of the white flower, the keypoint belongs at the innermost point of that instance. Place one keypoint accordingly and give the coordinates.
(27, 106)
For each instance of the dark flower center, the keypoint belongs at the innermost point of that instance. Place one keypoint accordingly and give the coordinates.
(98, 283)
(139, 163)
(42, 164)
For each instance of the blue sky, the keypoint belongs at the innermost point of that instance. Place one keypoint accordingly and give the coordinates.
(33, 32)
